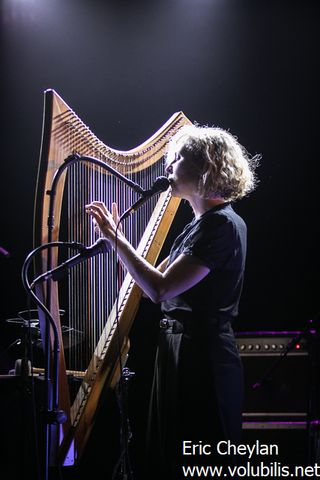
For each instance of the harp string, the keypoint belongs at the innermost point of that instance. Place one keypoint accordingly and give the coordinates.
(94, 284)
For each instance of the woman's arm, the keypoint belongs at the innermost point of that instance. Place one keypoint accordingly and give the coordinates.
(163, 265)
(158, 283)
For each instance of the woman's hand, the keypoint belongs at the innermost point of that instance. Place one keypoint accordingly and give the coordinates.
(106, 221)
(116, 217)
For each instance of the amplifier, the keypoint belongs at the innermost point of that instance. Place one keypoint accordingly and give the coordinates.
(292, 441)
(276, 374)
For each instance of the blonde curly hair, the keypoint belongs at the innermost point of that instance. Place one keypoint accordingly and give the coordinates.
(224, 167)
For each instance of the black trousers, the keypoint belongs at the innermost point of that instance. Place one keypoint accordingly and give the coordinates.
(196, 398)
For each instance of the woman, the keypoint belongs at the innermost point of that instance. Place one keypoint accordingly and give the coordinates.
(197, 388)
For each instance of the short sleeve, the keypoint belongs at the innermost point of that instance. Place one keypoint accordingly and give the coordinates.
(212, 242)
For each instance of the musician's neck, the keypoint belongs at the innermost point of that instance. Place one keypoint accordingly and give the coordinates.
(201, 205)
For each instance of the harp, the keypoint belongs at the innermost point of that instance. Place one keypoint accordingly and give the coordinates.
(99, 301)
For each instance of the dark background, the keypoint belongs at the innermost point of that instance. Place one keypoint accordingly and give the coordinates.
(124, 66)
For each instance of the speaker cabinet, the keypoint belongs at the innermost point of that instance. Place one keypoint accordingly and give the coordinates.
(291, 441)
(278, 385)
(277, 378)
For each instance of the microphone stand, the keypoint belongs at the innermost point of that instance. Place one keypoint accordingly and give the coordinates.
(52, 414)
(70, 160)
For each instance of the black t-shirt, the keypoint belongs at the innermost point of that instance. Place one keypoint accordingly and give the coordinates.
(218, 239)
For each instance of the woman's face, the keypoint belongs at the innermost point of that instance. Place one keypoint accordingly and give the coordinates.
(182, 173)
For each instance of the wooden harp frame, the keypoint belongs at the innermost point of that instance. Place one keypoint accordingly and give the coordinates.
(103, 370)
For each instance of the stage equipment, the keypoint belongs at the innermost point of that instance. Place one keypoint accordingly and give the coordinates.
(100, 299)
(281, 404)
(274, 386)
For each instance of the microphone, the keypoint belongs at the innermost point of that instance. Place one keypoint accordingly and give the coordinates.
(100, 246)
(159, 185)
